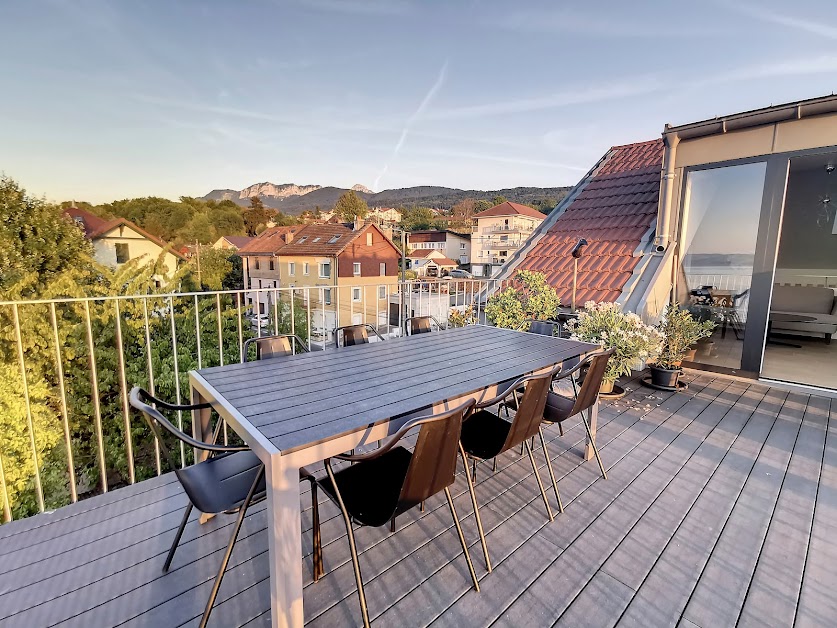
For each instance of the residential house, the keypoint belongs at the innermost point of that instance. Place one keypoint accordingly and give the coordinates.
(384, 216)
(260, 265)
(456, 246)
(497, 233)
(430, 263)
(345, 275)
(733, 218)
(118, 240)
(231, 242)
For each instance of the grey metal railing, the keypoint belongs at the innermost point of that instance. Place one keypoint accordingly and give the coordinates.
(84, 354)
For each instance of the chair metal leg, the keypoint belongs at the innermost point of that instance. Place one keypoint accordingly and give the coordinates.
(239, 520)
(421, 507)
(476, 509)
(494, 468)
(560, 429)
(462, 540)
(392, 525)
(538, 478)
(551, 472)
(593, 443)
(318, 540)
(352, 547)
(177, 536)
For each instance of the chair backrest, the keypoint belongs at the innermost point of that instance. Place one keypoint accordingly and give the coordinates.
(529, 413)
(352, 335)
(420, 325)
(542, 328)
(586, 397)
(140, 400)
(268, 347)
(433, 464)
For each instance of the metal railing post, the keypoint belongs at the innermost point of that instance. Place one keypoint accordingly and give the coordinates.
(65, 419)
(126, 414)
(94, 383)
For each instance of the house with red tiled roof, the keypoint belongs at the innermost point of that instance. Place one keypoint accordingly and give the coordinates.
(497, 233)
(344, 274)
(118, 240)
(732, 218)
(430, 263)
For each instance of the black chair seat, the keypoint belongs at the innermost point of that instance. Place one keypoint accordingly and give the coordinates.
(558, 408)
(221, 483)
(484, 434)
(371, 490)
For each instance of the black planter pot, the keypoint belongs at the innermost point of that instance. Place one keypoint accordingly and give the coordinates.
(664, 378)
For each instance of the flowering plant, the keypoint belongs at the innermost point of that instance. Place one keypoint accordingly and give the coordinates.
(607, 325)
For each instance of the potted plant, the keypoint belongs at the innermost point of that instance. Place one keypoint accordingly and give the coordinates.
(528, 296)
(607, 325)
(679, 330)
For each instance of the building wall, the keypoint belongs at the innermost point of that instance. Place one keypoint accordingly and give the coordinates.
(486, 243)
(370, 256)
(104, 248)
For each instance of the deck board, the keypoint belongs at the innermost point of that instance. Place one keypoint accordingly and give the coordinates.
(720, 508)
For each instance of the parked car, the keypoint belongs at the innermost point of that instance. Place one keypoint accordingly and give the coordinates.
(259, 320)
(458, 273)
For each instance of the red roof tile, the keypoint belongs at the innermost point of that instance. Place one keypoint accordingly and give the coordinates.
(613, 212)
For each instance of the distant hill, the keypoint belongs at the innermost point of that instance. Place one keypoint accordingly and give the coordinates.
(294, 199)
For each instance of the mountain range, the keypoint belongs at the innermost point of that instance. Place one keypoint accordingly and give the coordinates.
(293, 199)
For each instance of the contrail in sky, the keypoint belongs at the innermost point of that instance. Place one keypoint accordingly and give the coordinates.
(425, 102)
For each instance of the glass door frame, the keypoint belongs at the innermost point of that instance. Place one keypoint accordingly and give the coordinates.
(767, 244)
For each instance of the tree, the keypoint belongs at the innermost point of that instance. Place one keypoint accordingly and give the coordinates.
(350, 206)
(499, 200)
(255, 218)
(256, 202)
(482, 204)
(38, 244)
(417, 218)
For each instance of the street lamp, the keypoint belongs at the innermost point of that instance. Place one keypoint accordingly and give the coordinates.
(576, 253)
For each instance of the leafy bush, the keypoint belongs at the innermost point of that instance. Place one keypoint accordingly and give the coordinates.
(461, 318)
(528, 296)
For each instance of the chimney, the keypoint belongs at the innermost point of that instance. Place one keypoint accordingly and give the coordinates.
(289, 236)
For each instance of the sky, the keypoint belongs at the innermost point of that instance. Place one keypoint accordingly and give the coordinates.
(102, 100)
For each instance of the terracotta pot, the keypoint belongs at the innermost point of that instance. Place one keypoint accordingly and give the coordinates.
(690, 355)
(606, 387)
(667, 378)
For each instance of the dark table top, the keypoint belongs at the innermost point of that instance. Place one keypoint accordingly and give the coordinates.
(308, 398)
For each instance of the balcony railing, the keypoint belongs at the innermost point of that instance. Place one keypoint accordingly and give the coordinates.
(68, 365)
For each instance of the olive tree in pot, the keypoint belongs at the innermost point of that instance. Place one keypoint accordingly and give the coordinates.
(607, 325)
(679, 331)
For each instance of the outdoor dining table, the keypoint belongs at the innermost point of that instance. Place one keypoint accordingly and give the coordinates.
(304, 408)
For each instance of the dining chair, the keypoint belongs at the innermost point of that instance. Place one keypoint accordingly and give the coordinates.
(354, 334)
(560, 408)
(229, 481)
(421, 324)
(542, 328)
(486, 435)
(391, 480)
(268, 347)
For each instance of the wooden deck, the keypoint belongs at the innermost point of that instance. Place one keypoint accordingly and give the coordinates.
(720, 509)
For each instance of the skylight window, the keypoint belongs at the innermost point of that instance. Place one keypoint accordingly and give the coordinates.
(303, 239)
(316, 240)
(334, 239)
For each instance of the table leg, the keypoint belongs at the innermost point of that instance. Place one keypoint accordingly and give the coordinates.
(201, 430)
(594, 419)
(284, 529)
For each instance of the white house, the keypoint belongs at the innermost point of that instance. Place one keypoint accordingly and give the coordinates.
(497, 233)
(456, 246)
